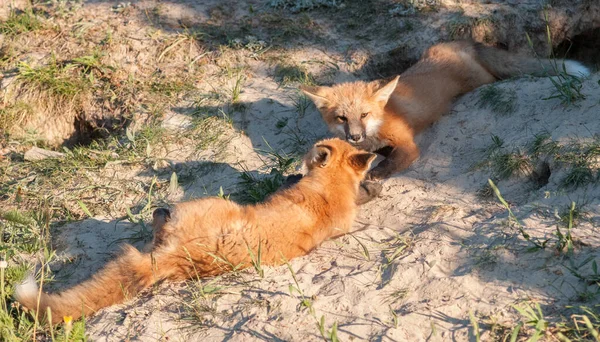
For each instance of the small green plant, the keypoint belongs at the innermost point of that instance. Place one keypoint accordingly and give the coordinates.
(288, 74)
(256, 188)
(567, 87)
(221, 194)
(584, 327)
(256, 259)
(202, 301)
(537, 244)
(565, 241)
(237, 88)
(301, 103)
(19, 22)
(56, 78)
(394, 315)
(578, 175)
(328, 335)
(495, 146)
(392, 251)
(534, 317)
(544, 145)
(396, 295)
(475, 325)
(509, 164)
(305, 302)
(500, 101)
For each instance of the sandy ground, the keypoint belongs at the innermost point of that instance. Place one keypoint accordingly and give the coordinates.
(425, 255)
(460, 255)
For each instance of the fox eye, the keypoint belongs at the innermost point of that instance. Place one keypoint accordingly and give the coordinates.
(341, 118)
(364, 115)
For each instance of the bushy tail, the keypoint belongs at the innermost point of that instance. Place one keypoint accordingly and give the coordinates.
(503, 64)
(118, 280)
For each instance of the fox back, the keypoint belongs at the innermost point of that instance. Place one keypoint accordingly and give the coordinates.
(211, 236)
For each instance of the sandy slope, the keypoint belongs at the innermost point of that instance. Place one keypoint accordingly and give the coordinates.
(460, 255)
(436, 251)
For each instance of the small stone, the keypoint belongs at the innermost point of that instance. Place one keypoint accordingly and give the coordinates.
(36, 153)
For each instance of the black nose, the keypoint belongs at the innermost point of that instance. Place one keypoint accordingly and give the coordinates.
(355, 137)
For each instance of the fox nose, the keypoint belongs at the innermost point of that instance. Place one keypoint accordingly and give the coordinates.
(355, 138)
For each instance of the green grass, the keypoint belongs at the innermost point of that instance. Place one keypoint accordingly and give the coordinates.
(578, 175)
(170, 87)
(301, 104)
(500, 101)
(256, 188)
(579, 158)
(54, 77)
(567, 88)
(537, 243)
(544, 145)
(236, 91)
(209, 131)
(506, 165)
(290, 74)
(26, 232)
(21, 233)
(19, 22)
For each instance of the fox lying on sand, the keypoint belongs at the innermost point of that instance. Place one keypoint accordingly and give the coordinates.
(208, 236)
(373, 116)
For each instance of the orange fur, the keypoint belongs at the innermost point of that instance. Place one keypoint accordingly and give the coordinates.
(373, 116)
(209, 236)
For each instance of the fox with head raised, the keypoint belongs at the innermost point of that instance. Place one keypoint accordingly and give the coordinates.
(377, 115)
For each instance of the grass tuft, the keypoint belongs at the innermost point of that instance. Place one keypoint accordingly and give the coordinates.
(288, 74)
(19, 22)
(500, 101)
(509, 164)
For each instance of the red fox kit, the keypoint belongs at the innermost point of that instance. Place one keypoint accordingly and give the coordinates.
(373, 116)
(208, 236)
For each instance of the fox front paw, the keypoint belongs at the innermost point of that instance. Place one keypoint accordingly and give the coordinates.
(368, 191)
(379, 173)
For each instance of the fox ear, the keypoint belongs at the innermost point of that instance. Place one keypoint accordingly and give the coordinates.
(383, 94)
(317, 95)
(318, 156)
(362, 160)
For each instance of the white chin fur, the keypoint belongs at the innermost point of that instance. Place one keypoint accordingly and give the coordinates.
(372, 127)
(576, 69)
(27, 288)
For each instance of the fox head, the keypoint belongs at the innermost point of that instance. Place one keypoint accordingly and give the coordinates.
(339, 157)
(353, 110)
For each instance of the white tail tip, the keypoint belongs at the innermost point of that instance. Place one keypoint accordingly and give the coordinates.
(27, 288)
(576, 69)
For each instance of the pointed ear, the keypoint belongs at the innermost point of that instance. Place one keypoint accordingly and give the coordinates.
(317, 95)
(318, 156)
(383, 94)
(362, 160)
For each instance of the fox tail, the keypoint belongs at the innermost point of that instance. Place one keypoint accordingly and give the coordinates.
(126, 276)
(503, 64)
